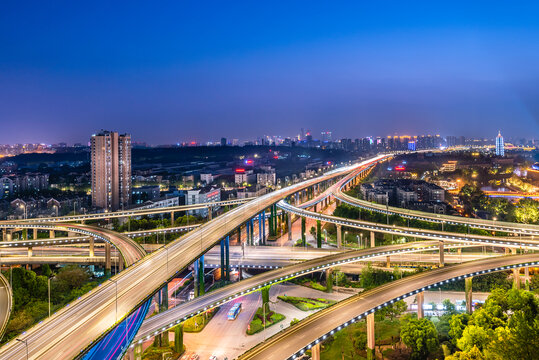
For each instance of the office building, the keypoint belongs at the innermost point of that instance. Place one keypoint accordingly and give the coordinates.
(111, 170)
(203, 195)
(500, 151)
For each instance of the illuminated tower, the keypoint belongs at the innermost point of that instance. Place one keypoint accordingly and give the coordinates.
(499, 145)
(111, 170)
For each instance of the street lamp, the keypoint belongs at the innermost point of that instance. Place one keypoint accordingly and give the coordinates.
(357, 236)
(49, 290)
(25, 342)
(116, 283)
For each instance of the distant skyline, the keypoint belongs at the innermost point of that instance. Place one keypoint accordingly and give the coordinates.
(179, 71)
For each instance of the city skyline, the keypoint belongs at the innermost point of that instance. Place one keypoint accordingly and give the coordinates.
(181, 72)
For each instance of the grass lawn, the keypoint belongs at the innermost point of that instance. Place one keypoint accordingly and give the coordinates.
(156, 353)
(351, 338)
(309, 283)
(306, 304)
(256, 325)
(198, 322)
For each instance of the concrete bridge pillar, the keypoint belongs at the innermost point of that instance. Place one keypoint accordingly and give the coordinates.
(388, 262)
(289, 226)
(373, 242)
(138, 352)
(120, 262)
(420, 301)
(459, 251)
(91, 247)
(527, 278)
(441, 246)
(339, 236)
(209, 213)
(34, 235)
(468, 293)
(516, 278)
(513, 251)
(9, 235)
(315, 352)
(107, 260)
(51, 234)
(30, 251)
(370, 336)
(172, 218)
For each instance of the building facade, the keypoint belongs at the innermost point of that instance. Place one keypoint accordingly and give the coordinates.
(111, 170)
(500, 149)
(200, 196)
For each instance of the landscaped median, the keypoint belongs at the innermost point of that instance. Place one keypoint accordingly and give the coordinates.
(306, 304)
(257, 323)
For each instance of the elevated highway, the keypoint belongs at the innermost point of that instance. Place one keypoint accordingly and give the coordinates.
(6, 303)
(297, 339)
(84, 321)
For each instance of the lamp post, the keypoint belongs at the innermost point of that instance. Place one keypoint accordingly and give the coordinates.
(345, 233)
(25, 342)
(357, 236)
(116, 283)
(49, 290)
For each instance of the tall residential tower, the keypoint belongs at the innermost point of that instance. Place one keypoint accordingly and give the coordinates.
(500, 151)
(111, 170)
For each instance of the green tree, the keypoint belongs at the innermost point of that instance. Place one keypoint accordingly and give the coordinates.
(420, 335)
(392, 310)
(474, 336)
(265, 298)
(527, 211)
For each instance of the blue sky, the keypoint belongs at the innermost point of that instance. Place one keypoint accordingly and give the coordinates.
(173, 71)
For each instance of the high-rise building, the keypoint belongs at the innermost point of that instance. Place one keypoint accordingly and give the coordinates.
(223, 141)
(111, 170)
(500, 151)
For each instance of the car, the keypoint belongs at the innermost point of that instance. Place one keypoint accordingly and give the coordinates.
(194, 357)
(213, 357)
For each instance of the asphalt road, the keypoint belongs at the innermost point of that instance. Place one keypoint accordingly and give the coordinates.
(75, 327)
(290, 341)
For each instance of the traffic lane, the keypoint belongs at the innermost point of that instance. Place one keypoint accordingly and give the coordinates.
(288, 342)
(64, 337)
(158, 321)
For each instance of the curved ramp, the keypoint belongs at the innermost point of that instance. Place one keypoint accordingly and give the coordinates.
(6, 303)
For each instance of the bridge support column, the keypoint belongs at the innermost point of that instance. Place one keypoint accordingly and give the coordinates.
(107, 260)
(91, 247)
(210, 213)
(172, 218)
(373, 242)
(303, 226)
(370, 336)
(51, 234)
(420, 297)
(260, 233)
(289, 227)
(468, 293)
(516, 278)
(329, 280)
(30, 251)
(163, 306)
(315, 352)
(441, 246)
(252, 232)
(227, 258)
(388, 262)
(513, 251)
(339, 236)
(34, 235)
(9, 235)
(527, 278)
(120, 262)
(459, 251)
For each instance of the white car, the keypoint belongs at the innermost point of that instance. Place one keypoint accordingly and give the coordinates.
(213, 357)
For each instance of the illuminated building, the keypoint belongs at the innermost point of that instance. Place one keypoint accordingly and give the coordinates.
(111, 170)
(500, 151)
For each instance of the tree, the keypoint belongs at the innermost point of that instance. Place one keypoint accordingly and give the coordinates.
(473, 354)
(420, 335)
(265, 298)
(474, 336)
(392, 310)
(527, 211)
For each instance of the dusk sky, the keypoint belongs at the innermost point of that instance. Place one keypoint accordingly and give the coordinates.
(176, 71)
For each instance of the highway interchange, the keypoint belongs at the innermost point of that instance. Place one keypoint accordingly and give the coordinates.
(94, 313)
